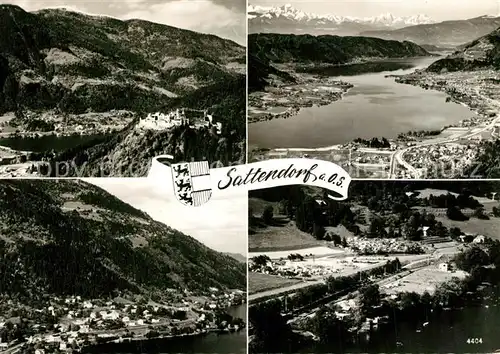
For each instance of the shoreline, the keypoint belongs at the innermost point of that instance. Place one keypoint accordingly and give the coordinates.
(132, 340)
(410, 79)
(294, 109)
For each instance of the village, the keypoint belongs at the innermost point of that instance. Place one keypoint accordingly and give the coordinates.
(284, 101)
(165, 121)
(70, 323)
(30, 124)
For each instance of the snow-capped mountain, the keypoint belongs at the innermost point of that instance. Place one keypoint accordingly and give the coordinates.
(288, 19)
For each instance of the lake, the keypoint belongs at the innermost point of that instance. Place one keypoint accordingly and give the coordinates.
(227, 343)
(375, 107)
(47, 142)
(447, 332)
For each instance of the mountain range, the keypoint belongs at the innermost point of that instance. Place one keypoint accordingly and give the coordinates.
(267, 49)
(71, 237)
(68, 62)
(287, 19)
(447, 33)
(482, 53)
(283, 48)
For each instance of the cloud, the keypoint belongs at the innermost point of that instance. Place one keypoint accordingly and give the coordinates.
(197, 15)
(221, 224)
(237, 5)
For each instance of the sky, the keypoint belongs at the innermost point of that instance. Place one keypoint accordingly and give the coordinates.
(220, 224)
(224, 18)
(438, 10)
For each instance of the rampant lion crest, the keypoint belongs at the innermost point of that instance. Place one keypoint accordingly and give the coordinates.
(192, 182)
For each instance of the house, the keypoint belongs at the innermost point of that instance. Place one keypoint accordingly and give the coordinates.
(218, 126)
(320, 202)
(479, 239)
(84, 329)
(445, 267)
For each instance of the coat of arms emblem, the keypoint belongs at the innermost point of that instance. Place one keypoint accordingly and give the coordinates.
(192, 182)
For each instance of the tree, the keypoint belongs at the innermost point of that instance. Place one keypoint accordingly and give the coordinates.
(440, 230)
(471, 258)
(318, 231)
(369, 298)
(455, 232)
(269, 325)
(344, 242)
(480, 214)
(261, 260)
(454, 213)
(268, 214)
(377, 228)
(328, 328)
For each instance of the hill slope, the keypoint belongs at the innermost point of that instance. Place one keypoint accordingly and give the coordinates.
(260, 73)
(281, 48)
(483, 52)
(56, 58)
(70, 63)
(447, 33)
(70, 237)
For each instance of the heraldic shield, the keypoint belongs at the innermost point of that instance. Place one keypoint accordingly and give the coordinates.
(192, 182)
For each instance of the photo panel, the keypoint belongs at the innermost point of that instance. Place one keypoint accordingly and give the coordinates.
(397, 267)
(97, 89)
(386, 89)
(109, 265)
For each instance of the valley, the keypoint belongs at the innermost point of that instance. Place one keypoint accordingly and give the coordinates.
(82, 269)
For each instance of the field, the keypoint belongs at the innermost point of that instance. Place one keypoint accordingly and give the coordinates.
(422, 280)
(425, 193)
(257, 206)
(341, 231)
(258, 282)
(280, 238)
(282, 235)
(489, 228)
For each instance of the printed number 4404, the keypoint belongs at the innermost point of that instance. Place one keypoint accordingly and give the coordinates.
(474, 340)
